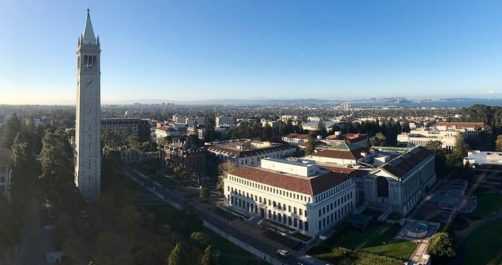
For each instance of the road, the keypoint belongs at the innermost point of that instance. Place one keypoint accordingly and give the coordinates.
(35, 240)
(217, 221)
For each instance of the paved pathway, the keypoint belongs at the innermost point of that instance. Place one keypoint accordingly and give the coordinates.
(243, 235)
(35, 240)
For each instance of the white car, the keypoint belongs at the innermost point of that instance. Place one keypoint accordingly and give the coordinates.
(282, 252)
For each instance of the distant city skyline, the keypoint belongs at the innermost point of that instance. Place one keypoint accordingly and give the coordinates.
(179, 51)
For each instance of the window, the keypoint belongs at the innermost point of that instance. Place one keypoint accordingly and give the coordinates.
(382, 187)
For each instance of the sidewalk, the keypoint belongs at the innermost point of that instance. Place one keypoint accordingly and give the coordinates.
(35, 240)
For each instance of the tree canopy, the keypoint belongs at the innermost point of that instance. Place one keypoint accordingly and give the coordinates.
(442, 245)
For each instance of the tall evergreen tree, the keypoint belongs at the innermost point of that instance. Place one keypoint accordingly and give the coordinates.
(10, 131)
(23, 172)
(310, 146)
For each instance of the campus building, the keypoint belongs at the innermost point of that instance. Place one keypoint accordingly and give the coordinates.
(341, 153)
(445, 132)
(178, 154)
(296, 139)
(127, 127)
(422, 136)
(487, 168)
(294, 193)
(399, 179)
(224, 121)
(467, 129)
(486, 159)
(389, 177)
(249, 153)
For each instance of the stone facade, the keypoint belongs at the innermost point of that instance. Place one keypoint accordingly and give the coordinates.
(88, 111)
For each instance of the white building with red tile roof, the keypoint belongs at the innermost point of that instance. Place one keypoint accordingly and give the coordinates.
(294, 193)
(296, 138)
(245, 152)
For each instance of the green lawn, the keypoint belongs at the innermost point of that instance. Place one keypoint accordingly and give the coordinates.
(484, 245)
(488, 203)
(376, 240)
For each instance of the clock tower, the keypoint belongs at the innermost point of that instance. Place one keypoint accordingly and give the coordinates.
(88, 115)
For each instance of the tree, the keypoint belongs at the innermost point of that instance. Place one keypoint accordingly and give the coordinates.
(210, 134)
(24, 170)
(57, 155)
(10, 131)
(181, 172)
(310, 146)
(434, 146)
(176, 256)
(162, 141)
(321, 129)
(224, 169)
(440, 156)
(207, 257)
(133, 143)
(380, 139)
(267, 132)
(192, 141)
(202, 239)
(111, 140)
(498, 143)
(441, 245)
(458, 153)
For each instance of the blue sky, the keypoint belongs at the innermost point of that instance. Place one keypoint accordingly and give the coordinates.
(235, 49)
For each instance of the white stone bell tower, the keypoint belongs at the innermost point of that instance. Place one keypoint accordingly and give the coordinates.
(88, 115)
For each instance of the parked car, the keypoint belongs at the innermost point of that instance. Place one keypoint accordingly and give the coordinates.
(282, 252)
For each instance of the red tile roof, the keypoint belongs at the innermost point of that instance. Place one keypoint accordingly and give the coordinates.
(341, 154)
(253, 152)
(4, 155)
(306, 185)
(461, 125)
(349, 137)
(355, 137)
(298, 136)
(401, 165)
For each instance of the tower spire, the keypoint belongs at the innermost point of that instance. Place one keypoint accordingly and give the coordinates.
(88, 36)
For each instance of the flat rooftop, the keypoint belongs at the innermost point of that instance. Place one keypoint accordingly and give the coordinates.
(484, 157)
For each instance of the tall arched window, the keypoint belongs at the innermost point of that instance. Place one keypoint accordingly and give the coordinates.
(382, 187)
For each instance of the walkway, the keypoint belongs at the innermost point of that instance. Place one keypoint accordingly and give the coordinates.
(35, 240)
(238, 232)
